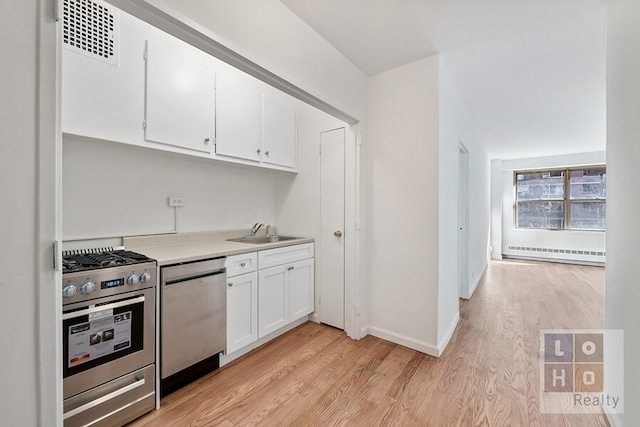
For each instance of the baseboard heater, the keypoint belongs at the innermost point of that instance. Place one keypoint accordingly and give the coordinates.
(557, 251)
(557, 254)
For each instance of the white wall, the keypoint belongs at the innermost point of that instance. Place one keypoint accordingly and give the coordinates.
(268, 33)
(456, 127)
(496, 209)
(623, 198)
(556, 239)
(18, 251)
(416, 120)
(402, 204)
(218, 195)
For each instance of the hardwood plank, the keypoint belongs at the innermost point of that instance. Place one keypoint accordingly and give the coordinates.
(488, 376)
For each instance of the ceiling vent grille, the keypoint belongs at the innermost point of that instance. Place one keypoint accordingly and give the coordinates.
(90, 27)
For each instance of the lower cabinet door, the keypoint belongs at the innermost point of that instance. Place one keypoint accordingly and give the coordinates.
(273, 299)
(242, 311)
(301, 289)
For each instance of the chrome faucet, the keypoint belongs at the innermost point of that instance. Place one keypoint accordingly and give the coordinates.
(255, 228)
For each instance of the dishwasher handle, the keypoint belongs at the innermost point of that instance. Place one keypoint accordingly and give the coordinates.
(187, 270)
(193, 277)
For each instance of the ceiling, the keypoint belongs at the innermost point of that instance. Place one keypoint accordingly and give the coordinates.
(530, 72)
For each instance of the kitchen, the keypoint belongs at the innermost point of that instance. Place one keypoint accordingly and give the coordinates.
(336, 95)
(250, 153)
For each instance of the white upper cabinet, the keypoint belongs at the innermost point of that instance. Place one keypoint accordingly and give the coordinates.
(238, 115)
(104, 97)
(124, 80)
(180, 95)
(278, 129)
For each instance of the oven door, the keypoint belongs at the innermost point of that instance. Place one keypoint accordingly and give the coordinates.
(106, 338)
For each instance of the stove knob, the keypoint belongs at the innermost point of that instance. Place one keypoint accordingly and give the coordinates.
(69, 291)
(145, 278)
(88, 287)
(133, 279)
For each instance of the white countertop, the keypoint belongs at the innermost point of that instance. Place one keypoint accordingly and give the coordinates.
(184, 247)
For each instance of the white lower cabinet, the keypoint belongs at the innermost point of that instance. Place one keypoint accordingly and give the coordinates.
(242, 311)
(285, 291)
(242, 300)
(301, 289)
(262, 301)
(273, 299)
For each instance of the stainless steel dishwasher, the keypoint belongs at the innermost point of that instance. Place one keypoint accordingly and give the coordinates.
(193, 325)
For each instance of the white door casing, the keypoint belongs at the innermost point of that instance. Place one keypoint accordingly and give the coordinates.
(463, 221)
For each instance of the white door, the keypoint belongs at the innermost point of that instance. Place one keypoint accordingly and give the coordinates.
(331, 275)
(463, 222)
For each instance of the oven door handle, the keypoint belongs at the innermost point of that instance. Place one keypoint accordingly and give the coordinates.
(87, 311)
(139, 383)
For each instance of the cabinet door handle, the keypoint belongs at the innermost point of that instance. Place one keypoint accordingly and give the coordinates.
(230, 284)
(258, 151)
(242, 264)
(206, 140)
(338, 233)
(266, 152)
(290, 268)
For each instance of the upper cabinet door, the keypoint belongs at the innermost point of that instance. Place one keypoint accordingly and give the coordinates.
(238, 115)
(278, 129)
(180, 97)
(101, 98)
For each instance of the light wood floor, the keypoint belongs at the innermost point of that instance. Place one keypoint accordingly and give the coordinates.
(488, 375)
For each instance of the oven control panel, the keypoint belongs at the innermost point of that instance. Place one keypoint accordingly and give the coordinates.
(86, 285)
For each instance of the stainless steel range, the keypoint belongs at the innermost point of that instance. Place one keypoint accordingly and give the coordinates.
(108, 336)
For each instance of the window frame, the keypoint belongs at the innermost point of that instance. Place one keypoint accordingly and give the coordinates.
(567, 201)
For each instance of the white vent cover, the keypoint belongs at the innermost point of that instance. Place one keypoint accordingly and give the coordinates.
(90, 27)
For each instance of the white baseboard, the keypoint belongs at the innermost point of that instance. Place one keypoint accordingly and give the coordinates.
(403, 340)
(445, 340)
(474, 285)
(614, 419)
(228, 358)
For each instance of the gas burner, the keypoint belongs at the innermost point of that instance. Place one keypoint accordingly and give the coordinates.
(72, 263)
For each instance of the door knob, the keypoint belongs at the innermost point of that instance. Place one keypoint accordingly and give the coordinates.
(337, 233)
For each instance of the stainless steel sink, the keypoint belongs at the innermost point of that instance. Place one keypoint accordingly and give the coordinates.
(259, 240)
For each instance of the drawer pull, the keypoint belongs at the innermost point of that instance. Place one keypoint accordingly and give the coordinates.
(230, 284)
(242, 264)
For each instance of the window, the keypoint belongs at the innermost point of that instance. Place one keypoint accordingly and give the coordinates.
(562, 199)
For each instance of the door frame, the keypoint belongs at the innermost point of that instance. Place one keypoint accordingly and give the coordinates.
(353, 294)
(49, 215)
(463, 220)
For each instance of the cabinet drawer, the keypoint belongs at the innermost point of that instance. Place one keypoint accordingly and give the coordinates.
(284, 255)
(241, 264)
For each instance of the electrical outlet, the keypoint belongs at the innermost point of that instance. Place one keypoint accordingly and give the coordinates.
(176, 201)
(358, 310)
